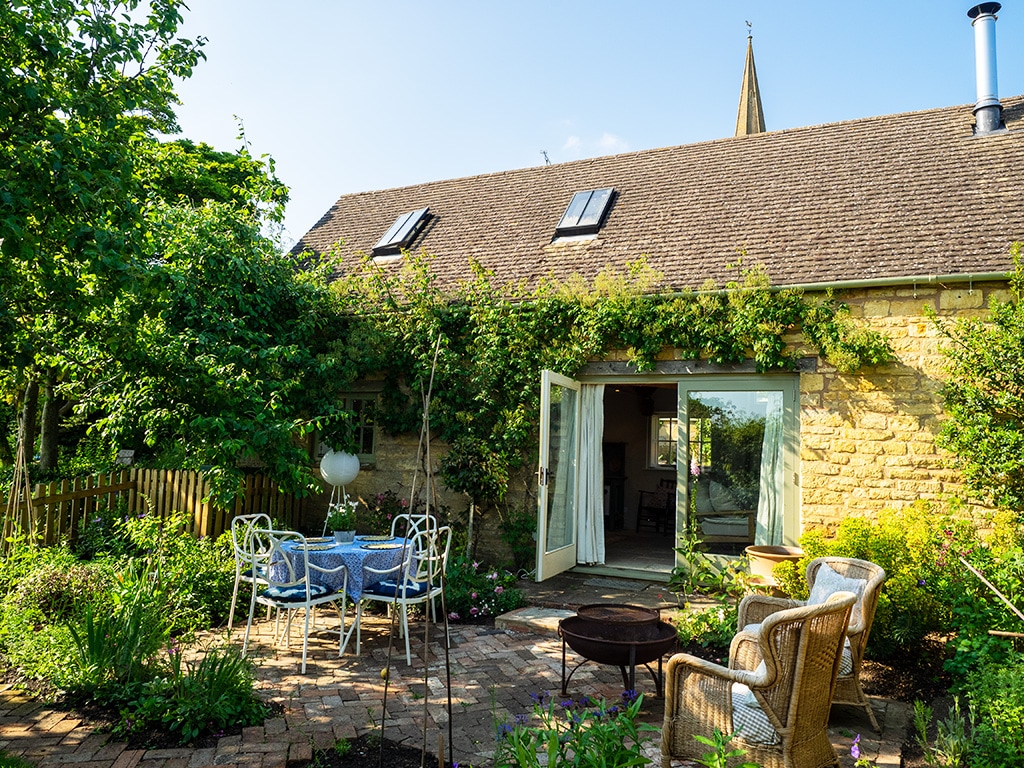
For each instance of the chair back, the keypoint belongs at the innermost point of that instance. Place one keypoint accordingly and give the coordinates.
(411, 523)
(803, 646)
(863, 614)
(431, 549)
(281, 570)
(242, 527)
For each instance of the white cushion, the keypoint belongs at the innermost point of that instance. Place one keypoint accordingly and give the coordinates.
(827, 582)
(722, 499)
(703, 499)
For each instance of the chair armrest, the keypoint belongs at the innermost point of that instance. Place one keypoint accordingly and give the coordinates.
(755, 608)
(697, 691)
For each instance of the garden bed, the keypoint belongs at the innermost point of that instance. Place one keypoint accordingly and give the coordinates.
(368, 751)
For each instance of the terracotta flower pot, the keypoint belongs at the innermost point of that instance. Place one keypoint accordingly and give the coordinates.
(764, 558)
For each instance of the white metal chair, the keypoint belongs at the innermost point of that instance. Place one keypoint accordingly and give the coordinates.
(416, 579)
(291, 584)
(242, 527)
(411, 523)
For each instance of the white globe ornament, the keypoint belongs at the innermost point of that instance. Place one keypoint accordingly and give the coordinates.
(339, 468)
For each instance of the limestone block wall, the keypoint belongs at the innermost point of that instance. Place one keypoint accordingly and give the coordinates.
(867, 440)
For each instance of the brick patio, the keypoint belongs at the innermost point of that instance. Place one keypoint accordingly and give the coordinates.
(493, 673)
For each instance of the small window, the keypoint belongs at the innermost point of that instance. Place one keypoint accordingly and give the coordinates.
(402, 232)
(365, 429)
(664, 431)
(586, 212)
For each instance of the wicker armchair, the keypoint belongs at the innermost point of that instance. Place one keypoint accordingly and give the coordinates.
(848, 688)
(780, 708)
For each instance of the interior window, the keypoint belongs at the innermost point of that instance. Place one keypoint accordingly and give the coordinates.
(664, 433)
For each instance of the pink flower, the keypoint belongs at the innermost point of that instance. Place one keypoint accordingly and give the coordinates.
(473, 611)
(473, 595)
(453, 616)
(499, 589)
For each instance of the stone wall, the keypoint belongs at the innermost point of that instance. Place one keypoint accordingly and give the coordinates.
(867, 440)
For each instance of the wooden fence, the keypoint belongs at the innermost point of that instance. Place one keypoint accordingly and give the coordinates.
(60, 509)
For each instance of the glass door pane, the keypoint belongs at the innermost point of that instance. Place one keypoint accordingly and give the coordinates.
(735, 457)
(557, 475)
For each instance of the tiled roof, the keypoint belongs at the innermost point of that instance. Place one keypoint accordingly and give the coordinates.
(913, 194)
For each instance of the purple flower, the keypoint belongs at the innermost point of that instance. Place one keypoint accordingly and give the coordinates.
(854, 749)
(499, 589)
(453, 616)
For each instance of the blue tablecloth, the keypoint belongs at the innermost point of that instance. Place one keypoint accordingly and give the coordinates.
(355, 558)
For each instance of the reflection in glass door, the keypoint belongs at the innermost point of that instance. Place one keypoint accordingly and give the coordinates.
(735, 464)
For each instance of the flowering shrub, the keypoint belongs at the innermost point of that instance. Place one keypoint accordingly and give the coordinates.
(375, 514)
(574, 733)
(917, 546)
(474, 592)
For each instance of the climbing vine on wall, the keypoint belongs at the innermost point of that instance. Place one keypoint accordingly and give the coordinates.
(495, 340)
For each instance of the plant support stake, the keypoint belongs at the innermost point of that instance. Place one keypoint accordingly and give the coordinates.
(989, 584)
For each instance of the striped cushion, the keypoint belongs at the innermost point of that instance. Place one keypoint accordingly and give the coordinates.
(751, 721)
(295, 593)
(388, 589)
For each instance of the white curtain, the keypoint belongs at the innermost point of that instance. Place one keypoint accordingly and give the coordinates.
(769, 503)
(590, 544)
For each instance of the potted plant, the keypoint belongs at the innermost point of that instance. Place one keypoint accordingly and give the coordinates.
(341, 519)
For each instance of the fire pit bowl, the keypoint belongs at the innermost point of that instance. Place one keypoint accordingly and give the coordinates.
(637, 637)
(661, 637)
(617, 621)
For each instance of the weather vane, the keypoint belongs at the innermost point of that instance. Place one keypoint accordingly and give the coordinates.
(750, 29)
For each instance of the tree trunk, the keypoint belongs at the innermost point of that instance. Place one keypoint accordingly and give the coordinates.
(50, 424)
(6, 454)
(27, 432)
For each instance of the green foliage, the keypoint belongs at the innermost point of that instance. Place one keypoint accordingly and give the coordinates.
(60, 594)
(12, 761)
(375, 515)
(574, 733)
(984, 396)
(701, 575)
(194, 697)
(517, 528)
(720, 755)
(953, 736)
(473, 591)
(225, 350)
(710, 627)
(491, 343)
(915, 546)
(996, 695)
(94, 83)
(115, 643)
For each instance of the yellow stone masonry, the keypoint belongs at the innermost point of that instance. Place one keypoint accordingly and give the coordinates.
(868, 439)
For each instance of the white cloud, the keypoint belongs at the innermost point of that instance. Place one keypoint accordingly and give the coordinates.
(606, 144)
(611, 144)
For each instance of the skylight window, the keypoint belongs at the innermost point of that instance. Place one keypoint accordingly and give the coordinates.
(402, 232)
(586, 212)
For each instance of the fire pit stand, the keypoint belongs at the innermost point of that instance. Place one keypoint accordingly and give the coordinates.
(618, 635)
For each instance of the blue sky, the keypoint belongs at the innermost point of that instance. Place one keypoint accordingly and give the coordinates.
(356, 96)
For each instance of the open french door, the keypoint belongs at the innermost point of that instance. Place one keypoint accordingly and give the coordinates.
(558, 474)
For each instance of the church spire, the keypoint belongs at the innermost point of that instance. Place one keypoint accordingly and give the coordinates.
(750, 118)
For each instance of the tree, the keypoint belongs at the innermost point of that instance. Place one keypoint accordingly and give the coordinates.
(83, 84)
(984, 396)
(139, 283)
(224, 353)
